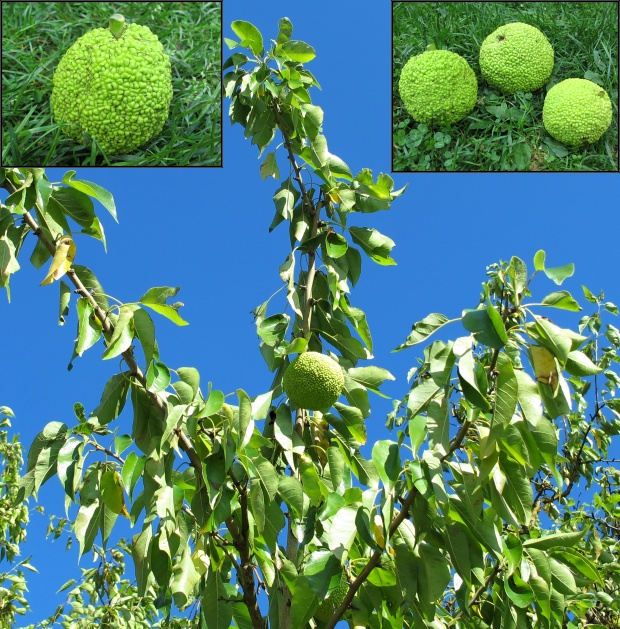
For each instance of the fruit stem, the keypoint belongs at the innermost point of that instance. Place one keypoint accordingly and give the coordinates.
(117, 25)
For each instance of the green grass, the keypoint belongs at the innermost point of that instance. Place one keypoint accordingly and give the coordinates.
(35, 35)
(505, 132)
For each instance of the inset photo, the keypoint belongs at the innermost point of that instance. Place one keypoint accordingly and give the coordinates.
(505, 86)
(111, 84)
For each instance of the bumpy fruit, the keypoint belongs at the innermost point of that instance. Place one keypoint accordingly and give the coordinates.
(516, 57)
(313, 381)
(438, 87)
(327, 608)
(577, 112)
(115, 85)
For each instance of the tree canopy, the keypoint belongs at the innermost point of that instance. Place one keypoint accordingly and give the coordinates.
(249, 512)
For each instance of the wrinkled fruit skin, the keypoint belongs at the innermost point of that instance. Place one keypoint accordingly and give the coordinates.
(516, 58)
(438, 87)
(313, 381)
(577, 112)
(327, 608)
(117, 91)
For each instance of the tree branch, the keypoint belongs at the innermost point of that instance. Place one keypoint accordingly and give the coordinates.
(245, 570)
(396, 522)
(108, 329)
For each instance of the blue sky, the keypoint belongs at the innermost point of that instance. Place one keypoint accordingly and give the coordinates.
(206, 230)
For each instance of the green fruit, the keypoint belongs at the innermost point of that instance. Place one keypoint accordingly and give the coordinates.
(333, 601)
(516, 57)
(313, 381)
(577, 112)
(438, 87)
(117, 88)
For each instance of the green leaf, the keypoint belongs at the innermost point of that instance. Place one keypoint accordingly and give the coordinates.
(91, 283)
(89, 326)
(132, 471)
(313, 119)
(313, 486)
(352, 422)
(337, 167)
(561, 299)
(8, 261)
(336, 467)
(262, 469)
(122, 336)
(370, 377)
(257, 504)
(541, 429)
(191, 377)
(335, 244)
(421, 394)
(539, 260)
(92, 190)
(121, 443)
(521, 153)
(269, 168)
(155, 298)
(113, 398)
(521, 595)
(39, 256)
(246, 422)
(112, 491)
(460, 548)
(433, 573)
(486, 325)
(506, 391)
(552, 337)
(341, 529)
(554, 540)
(214, 403)
(423, 329)
(303, 603)
(469, 382)
(63, 302)
(70, 464)
(518, 274)
(215, 604)
(578, 364)
(250, 36)
(145, 333)
(587, 293)
(167, 311)
(284, 199)
(285, 30)
(87, 525)
(578, 562)
(562, 578)
(159, 294)
(80, 208)
(292, 494)
(140, 545)
(272, 330)
(298, 51)
(518, 489)
(42, 458)
(375, 245)
(174, 420)
(157, 377)
(354, 265)
(386, 459)
(557, 274)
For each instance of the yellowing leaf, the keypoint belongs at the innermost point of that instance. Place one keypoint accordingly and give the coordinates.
(61, 262)
(112, 493)
(545, 366)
